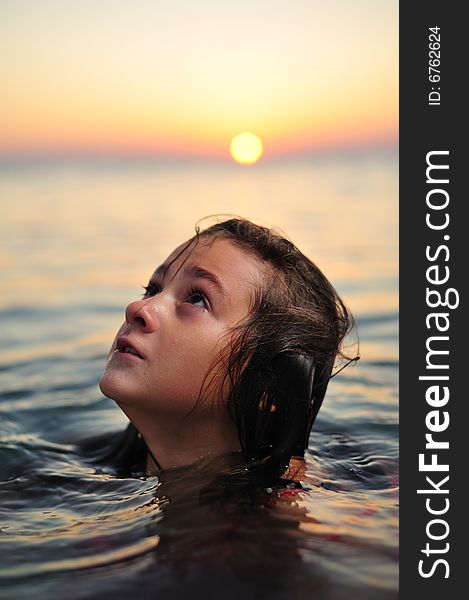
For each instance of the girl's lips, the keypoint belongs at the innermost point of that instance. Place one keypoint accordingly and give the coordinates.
(126, 355)
(125, 346)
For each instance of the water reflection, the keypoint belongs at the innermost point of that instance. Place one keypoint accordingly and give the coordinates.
(253, 541)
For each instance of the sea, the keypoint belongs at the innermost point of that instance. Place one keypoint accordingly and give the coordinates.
(78, 240)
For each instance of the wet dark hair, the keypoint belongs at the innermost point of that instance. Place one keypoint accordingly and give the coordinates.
(280, 358)
(278, 361)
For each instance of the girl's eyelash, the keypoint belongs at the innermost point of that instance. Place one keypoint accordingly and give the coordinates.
(150, 289)
(195, 291)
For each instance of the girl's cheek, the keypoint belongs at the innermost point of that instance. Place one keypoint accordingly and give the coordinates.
(189, 311)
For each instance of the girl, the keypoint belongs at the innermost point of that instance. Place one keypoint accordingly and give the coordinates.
(226, 359)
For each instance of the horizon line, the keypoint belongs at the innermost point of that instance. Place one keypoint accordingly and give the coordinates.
(384, 146)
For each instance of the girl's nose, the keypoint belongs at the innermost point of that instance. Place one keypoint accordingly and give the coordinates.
(142, 314)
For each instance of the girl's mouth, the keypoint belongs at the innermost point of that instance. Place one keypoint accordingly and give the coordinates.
(124, 346)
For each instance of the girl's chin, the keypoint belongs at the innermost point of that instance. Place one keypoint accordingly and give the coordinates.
(109, 386)
(114, 388)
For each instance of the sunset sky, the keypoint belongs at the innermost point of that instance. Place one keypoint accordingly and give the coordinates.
(184, 77)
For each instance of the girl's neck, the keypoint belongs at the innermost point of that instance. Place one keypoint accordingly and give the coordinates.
(171, 445)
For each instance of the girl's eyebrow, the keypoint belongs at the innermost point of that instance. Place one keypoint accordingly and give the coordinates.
(200, 273)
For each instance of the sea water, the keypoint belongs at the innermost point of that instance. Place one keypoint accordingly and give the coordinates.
(78, 240)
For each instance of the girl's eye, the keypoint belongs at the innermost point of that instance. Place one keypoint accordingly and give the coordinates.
(151, 289)
(197, 298)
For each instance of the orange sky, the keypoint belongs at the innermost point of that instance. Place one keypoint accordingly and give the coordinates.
(184, 77)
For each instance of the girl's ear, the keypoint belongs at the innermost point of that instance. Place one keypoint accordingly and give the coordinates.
(301, 386)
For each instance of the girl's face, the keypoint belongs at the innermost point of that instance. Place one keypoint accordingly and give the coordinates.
(172, 336)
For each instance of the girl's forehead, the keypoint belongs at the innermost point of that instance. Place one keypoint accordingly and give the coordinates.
(219, 255)
(198, 246)
(217, 251)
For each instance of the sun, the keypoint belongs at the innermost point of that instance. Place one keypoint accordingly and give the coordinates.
(246, 148)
